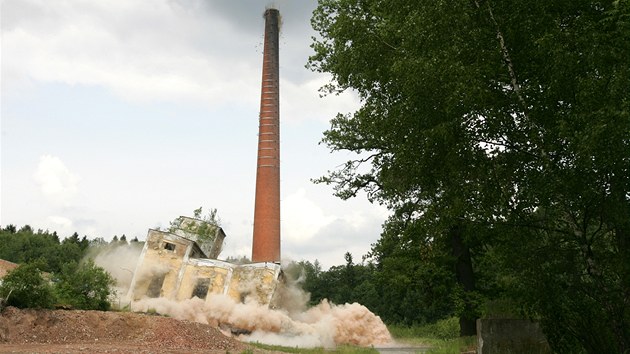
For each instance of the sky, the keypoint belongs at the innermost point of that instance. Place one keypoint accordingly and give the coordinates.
(119, 116)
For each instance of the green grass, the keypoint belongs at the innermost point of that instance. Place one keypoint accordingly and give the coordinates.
(443, 329)
(455, 346)
(342, 349)
(442, 337)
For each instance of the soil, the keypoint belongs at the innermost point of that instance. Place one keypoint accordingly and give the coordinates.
(75, 331)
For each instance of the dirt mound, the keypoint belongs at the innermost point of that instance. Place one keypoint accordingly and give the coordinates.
(52, 331)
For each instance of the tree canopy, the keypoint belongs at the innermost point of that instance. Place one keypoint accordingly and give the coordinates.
(498, 133)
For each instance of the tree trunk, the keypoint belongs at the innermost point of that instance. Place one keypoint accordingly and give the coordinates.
(465, 278)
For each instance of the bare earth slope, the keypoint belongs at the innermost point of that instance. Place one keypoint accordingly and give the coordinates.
(61, 331)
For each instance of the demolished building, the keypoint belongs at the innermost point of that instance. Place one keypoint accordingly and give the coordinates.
(177, 265)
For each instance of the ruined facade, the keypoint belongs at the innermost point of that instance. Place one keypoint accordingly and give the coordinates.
(172, 265)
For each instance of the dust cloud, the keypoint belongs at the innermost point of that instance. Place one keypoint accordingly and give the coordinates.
(288, 321)
(325, 325)
(119, 261)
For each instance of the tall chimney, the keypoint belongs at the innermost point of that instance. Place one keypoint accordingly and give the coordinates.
(266, 244)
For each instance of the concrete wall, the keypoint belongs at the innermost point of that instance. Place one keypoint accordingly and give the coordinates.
(510, 336)
(256, 281)
(216, 272)
(163, 256)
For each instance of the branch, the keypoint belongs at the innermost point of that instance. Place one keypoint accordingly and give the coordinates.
(514, 80)
(507, 145)
(506, 57)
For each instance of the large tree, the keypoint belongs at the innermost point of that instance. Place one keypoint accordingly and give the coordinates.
(494, 127)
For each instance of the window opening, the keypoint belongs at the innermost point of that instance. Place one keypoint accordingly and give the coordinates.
(155, 286)
(169, 246)
(201, 289)
(243, 296)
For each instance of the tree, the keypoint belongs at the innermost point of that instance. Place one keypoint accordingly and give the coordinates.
(86, 286)
(481, 120)
(26, 287)
(10, 228)
(25, 246)
(98, 242)
(413, 125)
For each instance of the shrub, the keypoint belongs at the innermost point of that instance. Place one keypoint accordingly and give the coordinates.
(25, 287)
(445, 329)
(86, 286)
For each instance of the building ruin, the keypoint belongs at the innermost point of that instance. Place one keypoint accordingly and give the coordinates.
(173, 265)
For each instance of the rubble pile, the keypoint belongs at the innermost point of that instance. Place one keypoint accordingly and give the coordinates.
(54, 331)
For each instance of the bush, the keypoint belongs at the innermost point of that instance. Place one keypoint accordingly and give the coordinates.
(86, 287)
(25, 287)
(445, 329)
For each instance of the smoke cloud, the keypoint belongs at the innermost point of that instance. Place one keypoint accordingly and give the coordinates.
(287, 321)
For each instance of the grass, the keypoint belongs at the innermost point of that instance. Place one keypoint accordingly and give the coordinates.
(442, 346)
(458, 345)
(342, 349)
(442, 337)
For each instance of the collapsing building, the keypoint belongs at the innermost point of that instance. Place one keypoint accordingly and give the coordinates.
(174, 265)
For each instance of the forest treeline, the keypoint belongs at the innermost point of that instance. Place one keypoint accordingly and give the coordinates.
(54, 273)
(25, 245)
(409, 294)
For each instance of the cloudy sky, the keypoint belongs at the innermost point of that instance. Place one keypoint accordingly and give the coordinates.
(118, 116)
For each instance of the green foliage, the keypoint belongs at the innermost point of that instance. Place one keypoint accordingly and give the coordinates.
(340, 284)
(498, 133)
(205, 231)
(25, 245)
(440, 337)
(455, 346)
(443, 330)
(84, 286)
(417, 292)
(26, 287)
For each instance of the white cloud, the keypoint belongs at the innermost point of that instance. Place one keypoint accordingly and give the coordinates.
(302, 218)
(302, 101)
(62, 224)
(163, 51)
(55, 180)
(327, 231)
(140, 51)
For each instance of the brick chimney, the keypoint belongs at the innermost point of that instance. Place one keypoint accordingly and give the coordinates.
(266, 240)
